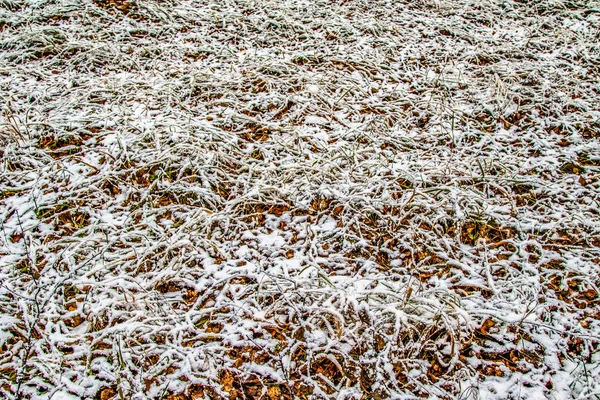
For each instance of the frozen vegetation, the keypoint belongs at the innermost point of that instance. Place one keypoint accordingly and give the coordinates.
(277, 199)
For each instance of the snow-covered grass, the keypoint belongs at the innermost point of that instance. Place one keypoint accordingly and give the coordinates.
(299, 199)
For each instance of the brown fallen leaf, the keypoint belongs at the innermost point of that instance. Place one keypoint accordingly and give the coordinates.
(227, 381)
(274, 392)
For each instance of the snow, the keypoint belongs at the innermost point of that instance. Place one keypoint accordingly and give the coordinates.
(330, 199)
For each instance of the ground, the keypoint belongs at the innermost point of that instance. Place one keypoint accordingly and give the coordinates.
(277, 199)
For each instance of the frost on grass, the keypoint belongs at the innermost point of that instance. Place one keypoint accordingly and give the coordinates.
(308, 199)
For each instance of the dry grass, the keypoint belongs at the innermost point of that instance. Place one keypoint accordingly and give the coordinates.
(280, 200)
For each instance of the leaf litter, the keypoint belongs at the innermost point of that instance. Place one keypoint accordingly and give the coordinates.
(307, 199)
